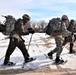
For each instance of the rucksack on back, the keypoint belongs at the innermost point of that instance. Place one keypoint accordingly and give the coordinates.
(9, 24)
(54, 27)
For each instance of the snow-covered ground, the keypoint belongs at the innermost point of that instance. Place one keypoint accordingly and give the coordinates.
(40, 45)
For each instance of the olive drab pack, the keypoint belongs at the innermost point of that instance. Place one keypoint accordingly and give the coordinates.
(54, 27)
(9, 24)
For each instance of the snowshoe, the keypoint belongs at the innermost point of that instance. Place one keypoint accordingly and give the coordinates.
(60, 61)
(9, 64)
(29, 60)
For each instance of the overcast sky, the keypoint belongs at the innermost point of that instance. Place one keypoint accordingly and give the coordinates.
(38, 9)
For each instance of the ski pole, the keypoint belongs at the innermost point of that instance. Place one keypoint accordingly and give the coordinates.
(30, 41)
(2, 57)
(28, 48)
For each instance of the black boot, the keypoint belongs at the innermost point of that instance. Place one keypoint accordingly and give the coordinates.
(29, 59)
(71, 52)
(58, 61)
(9, 63)
(71, 48)
(50, 54)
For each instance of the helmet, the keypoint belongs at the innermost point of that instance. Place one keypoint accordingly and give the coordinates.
(64, 17)
(25, 16)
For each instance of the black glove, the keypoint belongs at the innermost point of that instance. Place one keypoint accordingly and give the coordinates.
(23, 40)
(72, 33)
(31, 30)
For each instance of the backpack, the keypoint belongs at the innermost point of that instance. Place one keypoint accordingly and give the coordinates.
(54, 27)
(9, 24)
